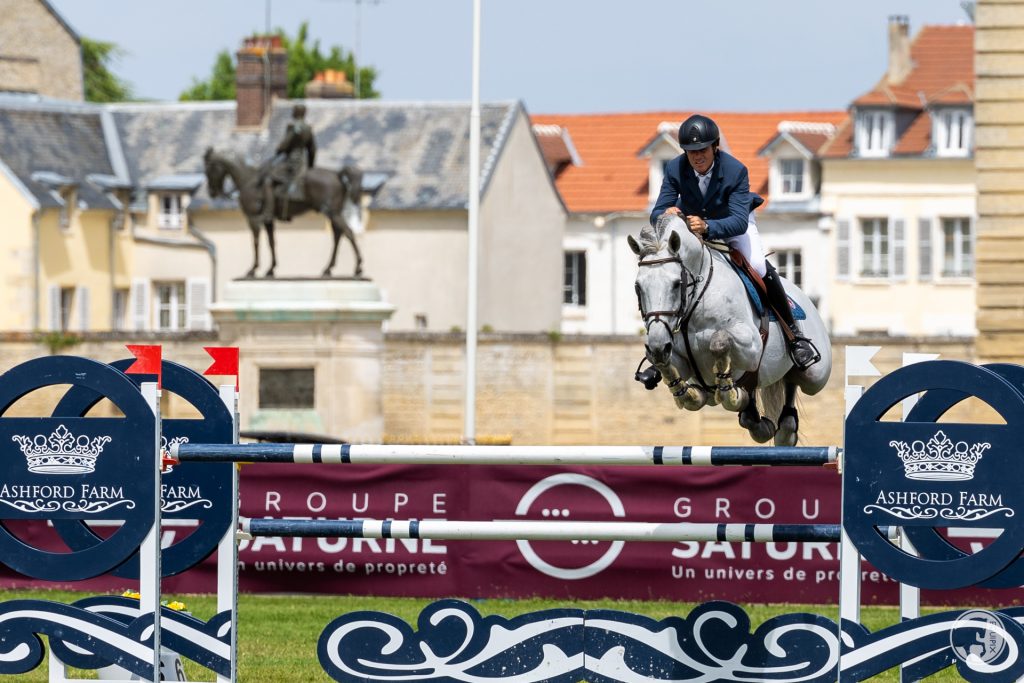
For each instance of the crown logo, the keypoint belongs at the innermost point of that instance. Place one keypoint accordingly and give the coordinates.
(61, 452)
(940, 459)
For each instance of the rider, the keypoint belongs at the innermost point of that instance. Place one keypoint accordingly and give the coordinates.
(710, 189)
(294, 155)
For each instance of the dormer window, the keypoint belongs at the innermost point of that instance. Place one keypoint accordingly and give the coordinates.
(170, 215)
(792, 177)
(875, 132)
(952, 132)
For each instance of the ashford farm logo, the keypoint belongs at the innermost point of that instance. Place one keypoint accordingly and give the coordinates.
(939, 459)
(62, 453)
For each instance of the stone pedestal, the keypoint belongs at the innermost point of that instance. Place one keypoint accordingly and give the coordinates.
(317, 344)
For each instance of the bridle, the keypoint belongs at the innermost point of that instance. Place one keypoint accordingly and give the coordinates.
(682, 317)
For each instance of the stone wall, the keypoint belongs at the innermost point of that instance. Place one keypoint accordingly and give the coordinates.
(38, 52)
(536, 389)
(532, 389)
(999, 157)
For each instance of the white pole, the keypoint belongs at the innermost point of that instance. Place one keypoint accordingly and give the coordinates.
(469, 435)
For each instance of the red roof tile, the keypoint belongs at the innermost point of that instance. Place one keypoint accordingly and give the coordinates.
(942, 73)
(613, 177)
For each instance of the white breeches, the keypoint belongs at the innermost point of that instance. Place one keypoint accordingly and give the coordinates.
(749, 244)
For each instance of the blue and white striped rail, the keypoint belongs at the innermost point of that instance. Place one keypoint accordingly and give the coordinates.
(338, 454)
(525, 530)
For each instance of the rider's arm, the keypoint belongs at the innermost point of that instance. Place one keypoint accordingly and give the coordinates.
(669, 194)
(739, 211)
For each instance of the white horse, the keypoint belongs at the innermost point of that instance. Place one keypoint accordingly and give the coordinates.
(695, 306)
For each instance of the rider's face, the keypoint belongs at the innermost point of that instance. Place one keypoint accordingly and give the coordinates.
(701, 159)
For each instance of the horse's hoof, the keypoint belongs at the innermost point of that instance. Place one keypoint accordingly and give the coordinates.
(763, 430)
(326, 272)
(269, 273)
(785, 436)
(251, 273)
(692, 398)
(789, 426)
(732, 398)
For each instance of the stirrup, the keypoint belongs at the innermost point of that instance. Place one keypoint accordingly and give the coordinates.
(791, 348)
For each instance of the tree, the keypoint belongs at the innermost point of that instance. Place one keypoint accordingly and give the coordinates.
(101, 85)
(220, 85)
(304, 62)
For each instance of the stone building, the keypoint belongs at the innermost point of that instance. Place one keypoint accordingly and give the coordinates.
(40, 54)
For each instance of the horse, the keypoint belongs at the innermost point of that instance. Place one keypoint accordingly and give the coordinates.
(334, 194)
(694, 306)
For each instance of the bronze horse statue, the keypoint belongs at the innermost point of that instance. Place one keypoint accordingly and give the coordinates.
(334, 194)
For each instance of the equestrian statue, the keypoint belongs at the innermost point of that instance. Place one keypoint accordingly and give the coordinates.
(288, 185)
(706, 337)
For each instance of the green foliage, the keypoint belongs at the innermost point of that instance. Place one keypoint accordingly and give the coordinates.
(305, 60)
(101, 85)
(554, 336)
(219, 86)
(57, 341)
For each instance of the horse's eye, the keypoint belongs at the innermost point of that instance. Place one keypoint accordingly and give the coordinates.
(677, 284)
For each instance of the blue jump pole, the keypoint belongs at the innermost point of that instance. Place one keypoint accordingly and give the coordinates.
(525, 530)
(505, 455)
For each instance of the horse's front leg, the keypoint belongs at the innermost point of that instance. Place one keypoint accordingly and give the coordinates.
(254, 228)
(686, 394)
(732, 396)
(269, 227)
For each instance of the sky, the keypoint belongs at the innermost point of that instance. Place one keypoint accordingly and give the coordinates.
(557, 56)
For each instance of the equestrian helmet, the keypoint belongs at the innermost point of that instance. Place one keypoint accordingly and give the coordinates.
(698, 132)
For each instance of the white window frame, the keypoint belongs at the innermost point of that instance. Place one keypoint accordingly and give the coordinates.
(656, 175)
(170, 211)
(176, 305)
(575, 291)
(953, 131)
(963, 230)
(875, 132)
(877, 242)
(120, 303)
(66, 301)
(789, 263)
(779, 189)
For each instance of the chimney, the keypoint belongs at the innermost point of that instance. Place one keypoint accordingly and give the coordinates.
(329, 84)
(261, 76)
(900, 63)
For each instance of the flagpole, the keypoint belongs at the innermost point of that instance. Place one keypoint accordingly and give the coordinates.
(469, 431)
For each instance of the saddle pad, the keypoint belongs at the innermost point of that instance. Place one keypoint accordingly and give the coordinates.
(755, 298)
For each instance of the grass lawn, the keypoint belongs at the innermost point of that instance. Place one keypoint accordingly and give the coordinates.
(278, 633)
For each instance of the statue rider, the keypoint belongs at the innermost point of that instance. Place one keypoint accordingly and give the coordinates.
(294, 155)
(710, 190)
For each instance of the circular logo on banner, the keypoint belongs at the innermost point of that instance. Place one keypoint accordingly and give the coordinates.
(977, 636)
(73, 468)
(556, 509)
(196, 501)
(924, 475)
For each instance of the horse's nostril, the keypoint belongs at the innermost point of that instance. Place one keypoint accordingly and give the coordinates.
(666, 349)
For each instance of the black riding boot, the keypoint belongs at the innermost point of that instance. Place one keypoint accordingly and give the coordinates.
(801, 349)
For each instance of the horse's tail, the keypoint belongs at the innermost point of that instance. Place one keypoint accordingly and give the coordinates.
(771, 398)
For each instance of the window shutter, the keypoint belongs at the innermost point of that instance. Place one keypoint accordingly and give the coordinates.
(139, 297)
(582, 278)
(54, 297)
(899, 250)
(197, 299)
(924, 249)
(82, 297)
(843, 250)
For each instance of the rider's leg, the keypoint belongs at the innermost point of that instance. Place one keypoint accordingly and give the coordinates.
(801, 350)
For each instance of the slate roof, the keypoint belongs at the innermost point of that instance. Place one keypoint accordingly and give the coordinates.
(942, 75)
(50, 139)
(614, 176)
(422, 148)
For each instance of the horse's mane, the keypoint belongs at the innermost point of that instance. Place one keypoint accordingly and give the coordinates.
(654, 238)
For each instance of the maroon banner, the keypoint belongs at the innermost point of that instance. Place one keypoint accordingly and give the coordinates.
(687, 571)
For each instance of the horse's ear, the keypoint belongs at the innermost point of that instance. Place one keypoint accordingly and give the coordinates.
(208, 153)
(633, 244)
(674, 242)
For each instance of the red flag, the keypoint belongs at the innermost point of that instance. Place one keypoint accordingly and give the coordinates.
(148, 362)
(225, 361)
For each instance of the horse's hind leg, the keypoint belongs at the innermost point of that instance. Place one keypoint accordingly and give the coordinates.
(760, 427)
(789, 420)
(254, 228)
